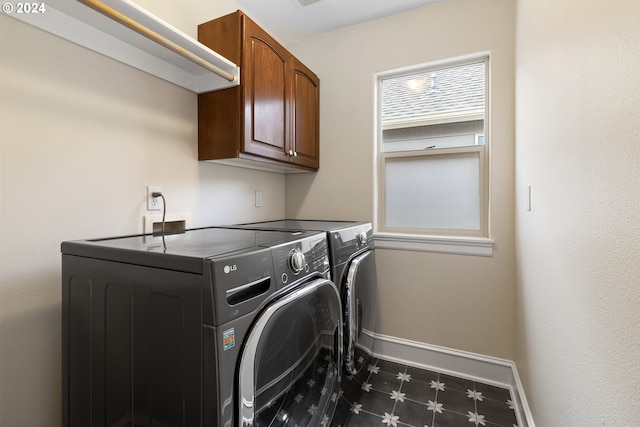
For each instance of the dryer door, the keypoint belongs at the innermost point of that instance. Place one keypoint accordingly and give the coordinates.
(360, 311)
(289, 370)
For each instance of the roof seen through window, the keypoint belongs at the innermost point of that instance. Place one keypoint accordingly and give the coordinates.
(456, 91)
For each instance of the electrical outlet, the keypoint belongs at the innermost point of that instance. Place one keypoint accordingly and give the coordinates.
(153, 203)
(258, 199)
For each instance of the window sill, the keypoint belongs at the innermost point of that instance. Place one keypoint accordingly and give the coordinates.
(475, 246)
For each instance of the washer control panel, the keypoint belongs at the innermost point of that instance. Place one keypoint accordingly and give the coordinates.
(296, 260)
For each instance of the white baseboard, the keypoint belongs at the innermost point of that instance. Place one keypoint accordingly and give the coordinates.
(486, 369)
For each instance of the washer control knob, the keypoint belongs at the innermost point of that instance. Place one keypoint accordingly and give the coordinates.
(362, 238)
(297, 262)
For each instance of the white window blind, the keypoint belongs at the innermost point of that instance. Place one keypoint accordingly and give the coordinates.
(440, 192)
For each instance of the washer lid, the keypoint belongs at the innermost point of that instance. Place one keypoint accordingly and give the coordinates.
(183, 251)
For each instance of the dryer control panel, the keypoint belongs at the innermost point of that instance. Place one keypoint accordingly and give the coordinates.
(296, 260)
(349, 241)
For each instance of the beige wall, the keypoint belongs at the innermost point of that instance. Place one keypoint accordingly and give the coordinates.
(81, 136)
(455, 301)
(578, 146)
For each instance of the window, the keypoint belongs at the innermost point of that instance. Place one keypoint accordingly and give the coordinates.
(433, 142)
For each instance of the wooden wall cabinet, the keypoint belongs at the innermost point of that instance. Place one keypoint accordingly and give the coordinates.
(271, 120)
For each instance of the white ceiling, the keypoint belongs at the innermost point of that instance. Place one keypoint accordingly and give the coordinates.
(289, 21)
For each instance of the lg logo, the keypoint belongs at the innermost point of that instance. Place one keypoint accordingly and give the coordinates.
(229, 268)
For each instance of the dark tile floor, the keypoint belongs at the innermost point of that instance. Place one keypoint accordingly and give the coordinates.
(389, 394)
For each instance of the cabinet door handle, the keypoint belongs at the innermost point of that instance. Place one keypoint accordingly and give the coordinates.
(291, 152)
(295, 154)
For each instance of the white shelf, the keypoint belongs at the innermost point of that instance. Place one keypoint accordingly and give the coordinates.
(87, 27)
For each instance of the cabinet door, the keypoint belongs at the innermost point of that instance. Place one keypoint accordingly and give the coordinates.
(266, 93)
(305, 111)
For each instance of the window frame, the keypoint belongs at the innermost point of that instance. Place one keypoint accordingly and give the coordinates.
(393, 237)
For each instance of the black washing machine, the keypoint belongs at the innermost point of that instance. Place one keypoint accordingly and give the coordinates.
(210, 327)
(353, 269)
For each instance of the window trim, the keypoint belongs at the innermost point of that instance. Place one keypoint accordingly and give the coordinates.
(467, 242)
(458, 245)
